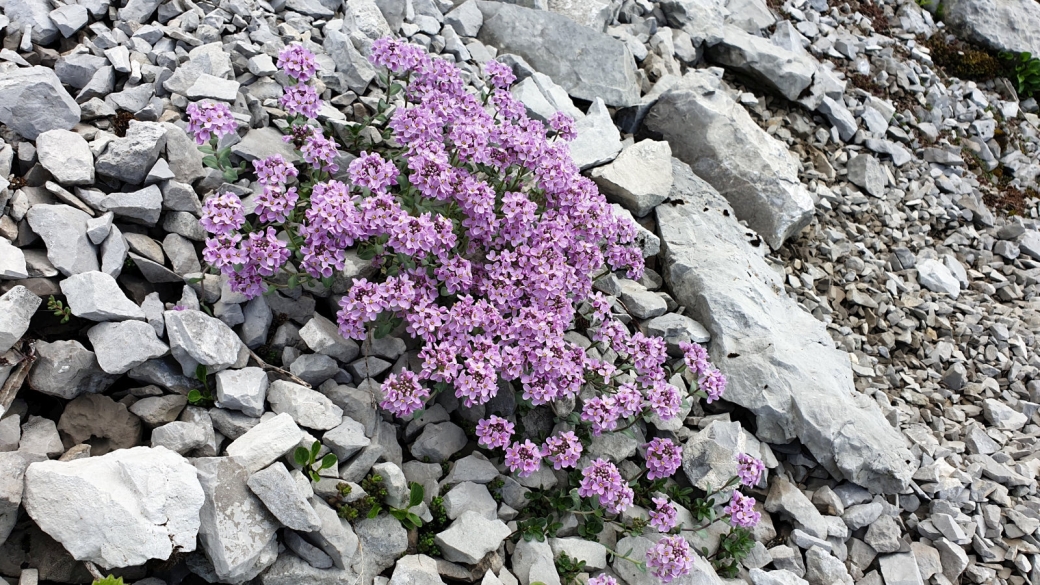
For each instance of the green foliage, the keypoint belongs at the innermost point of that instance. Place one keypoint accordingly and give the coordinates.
(426, 544)
(733, 548)
(203, 397)
(569, 568)
(308, 460)
(220, 159)
(110, 580)
(1025, 72)
(409, 519)
(60, 310)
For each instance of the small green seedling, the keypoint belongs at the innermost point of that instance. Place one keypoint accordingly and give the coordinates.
(308, 460)
(59, 309)
(407, 518)
(202, 397)
(110, 580)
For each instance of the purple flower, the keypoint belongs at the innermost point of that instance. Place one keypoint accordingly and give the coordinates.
(663, 458)
(273, 205)
(741, 510)
(602, 579)
(562, 450)
(749, 469)
(397, 55)
(266, 252)
(301, 99)
(319, 152)
(273, 170)
(665, 516)
(563, 125)
(222, 214)
(402, 394)
(207, 119)
(499, 74)
(372, 172)
(713, 383)
(669, 559)
(695, 356)
(664, 400)
(602, 412)
(297, 62)
(494, 432)
(629, 400)
(523, 458)
(603, 480)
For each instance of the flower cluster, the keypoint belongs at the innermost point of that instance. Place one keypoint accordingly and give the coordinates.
(749, 469)
(207, 120)
(602, 479)
(741, 510)
(494, 432)
(484, 235)
(669, 559)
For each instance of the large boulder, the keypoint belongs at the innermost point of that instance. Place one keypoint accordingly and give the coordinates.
(1003, 25)
(780, 361)
(787, 72)
(713, 133)
(117, 510)
(33, 101)
(587, 63)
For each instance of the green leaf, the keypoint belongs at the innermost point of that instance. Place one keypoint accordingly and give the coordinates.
(315, 449)
(375, 511)
(366, 252)
(416, 497)
(415, 519)
(300, 456)
(194, 396)
(294, 281)
(200, 373)
(211, 162)
(382, 330)
(328, 461)
(231, 175)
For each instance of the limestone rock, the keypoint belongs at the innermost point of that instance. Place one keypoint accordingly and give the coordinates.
(33, 101)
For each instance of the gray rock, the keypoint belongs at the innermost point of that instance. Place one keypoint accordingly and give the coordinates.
(717, 137)
(822, 567)
(143, 206)
(12, 474)
(290, 569)
(466, 19)
(350, 63)
(587, 63)
(472, 536)
(208, 59)
(262, 143)
(593, 553)
(110, 511)
(314, 368)
(676, 329)
(468, 496)
(710, 456)
(129, 159)
(936, 277)
(307, 407)
(257, 318)
(639, 178)
(368, 367)
(439, 442)
(196, 338)
(181, 253)
(383, 541)
(114, 251)
(103, 423)
(533, 563)
(785, 498)
(709, 261)
(1002, 25)
(207, 86)
(416, 570)
(277, 490)
(124, 345)
(781, 577)
(64, 232)
(1002, 416)
(346, 439)
(159, 410)
(472, 468)
(243, 390)
(900, 569)
(263, 444)
(66, 155)
(32, 99)
(788, 72)
(322, 336)
(69, 18)
(138, 10)
(17, 307)
(237, 532)
(598, 140)
(185, 160)
(865, 171)
(98, 228)
(96, 296)
(10, 433)
(179, 436)
(66, 369)
(701, 19)
(335, 537)
(861, 515)
(641, 303)
(839, 116)
(883, 534)
(314, 556)
(12, 261)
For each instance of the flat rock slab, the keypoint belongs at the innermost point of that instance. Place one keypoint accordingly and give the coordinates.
(96, 296)
(66, 155)
(715, 135)
(309, 408)
(17, 307)
(117, 510)
(124, 345)
(196, 338)
(66, 369)
(64, 232)
(587, 63)
(787, 72)
(758, 331)
(1002, 25)
(33, 101)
